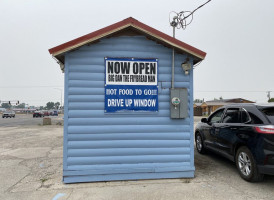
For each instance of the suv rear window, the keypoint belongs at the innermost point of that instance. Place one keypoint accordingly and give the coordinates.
(269, 112)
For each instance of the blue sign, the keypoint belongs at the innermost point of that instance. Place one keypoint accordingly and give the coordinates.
(131, 85)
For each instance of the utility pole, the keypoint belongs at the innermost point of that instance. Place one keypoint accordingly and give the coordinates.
(61, 95)
(268, 95)
(11, 102)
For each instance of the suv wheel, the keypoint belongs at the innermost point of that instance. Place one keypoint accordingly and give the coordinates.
(246, 165)
(199, 143)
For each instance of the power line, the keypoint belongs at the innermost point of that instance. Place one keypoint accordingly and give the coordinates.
(41, 86)
(180, 20)
(230, 91)
(196, 9)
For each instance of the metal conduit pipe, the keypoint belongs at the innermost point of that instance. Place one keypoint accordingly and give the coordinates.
(173, 24)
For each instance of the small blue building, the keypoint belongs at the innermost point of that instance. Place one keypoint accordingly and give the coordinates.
(125, 115)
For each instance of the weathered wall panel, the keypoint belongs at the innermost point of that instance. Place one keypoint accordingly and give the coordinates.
(119, 146)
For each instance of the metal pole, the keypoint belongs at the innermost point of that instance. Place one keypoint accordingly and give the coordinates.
(61, 98)
(61, 95)
(173, 55)
(268, 94)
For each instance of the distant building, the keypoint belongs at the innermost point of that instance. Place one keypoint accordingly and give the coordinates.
(207, 107)
(24, 110)
(197, 109)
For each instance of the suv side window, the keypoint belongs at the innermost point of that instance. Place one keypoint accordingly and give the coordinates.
(216, 117)
(245, 116)
(232, 115)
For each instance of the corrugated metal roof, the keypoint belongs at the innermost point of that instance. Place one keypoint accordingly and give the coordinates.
(232, 100)
(134, 24)
(214, 103)
(198, 104)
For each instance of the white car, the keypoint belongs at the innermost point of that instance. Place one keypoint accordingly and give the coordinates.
(9, 114)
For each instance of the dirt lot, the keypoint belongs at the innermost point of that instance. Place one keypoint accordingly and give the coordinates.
(27, 120)
(31, 168)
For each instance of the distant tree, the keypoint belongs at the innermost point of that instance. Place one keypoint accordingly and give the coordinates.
(22, 105)
(50, 105)
(198, 101)
(5, 105)
(220, 98)
(57, 105)
(41, 108)
(271, 100)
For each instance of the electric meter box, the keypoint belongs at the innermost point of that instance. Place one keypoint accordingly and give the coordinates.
(122, 120)
(179, 103)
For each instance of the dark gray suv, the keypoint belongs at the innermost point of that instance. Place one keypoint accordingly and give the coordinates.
(243, 133)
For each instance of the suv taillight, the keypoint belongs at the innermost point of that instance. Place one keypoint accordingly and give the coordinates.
(269, 129)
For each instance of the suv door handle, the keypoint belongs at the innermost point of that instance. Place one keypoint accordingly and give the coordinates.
(233, 128)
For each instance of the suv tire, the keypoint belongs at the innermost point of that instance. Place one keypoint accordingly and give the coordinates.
(199, 143)
(247, 166)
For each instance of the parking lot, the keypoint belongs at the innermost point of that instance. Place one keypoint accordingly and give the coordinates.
(27, 120)
(31, 168)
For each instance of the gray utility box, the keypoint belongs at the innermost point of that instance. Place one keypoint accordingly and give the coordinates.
(178, 103)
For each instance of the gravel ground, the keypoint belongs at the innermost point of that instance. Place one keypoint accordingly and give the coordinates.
(27, 120)
(31, 168)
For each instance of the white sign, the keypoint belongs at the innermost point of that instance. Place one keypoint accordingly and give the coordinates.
(131, 72)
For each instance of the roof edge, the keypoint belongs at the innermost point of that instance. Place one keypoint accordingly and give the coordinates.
(129, 22)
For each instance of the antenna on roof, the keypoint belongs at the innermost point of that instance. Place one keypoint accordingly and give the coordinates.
(181, 19)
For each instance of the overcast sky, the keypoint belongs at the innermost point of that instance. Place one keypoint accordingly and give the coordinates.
(238, 37)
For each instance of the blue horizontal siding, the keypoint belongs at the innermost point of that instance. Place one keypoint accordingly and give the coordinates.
(127, 128)
(135, 167)
(105, 146)
(127, 152)
(127, 144)
(130, 136)
(85, 83)
(134, 170)
(127, 159)
(98, 53)
(187, 173)
(87, 68)
(130, 121)
(101, 113)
